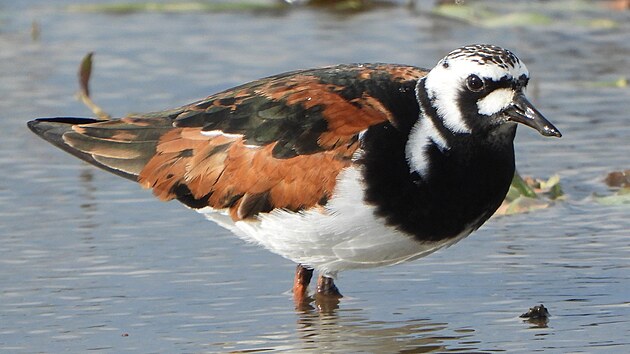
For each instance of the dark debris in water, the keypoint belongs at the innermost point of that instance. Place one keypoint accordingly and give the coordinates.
(537, 312)
(537, 315)
(618, 179)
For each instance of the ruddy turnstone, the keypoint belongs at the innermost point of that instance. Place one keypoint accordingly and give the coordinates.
(335, 168)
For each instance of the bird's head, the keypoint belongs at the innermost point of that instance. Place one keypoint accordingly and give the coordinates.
(479, 87)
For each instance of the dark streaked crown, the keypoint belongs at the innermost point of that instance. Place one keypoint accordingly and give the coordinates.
(485, 54)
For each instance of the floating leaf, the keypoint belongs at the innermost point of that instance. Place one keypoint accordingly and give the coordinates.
(550, 188)
(522, 205)
(528, 194)
(519, 184)
(622, 196)
(619, 181)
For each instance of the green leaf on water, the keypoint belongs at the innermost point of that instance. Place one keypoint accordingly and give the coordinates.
(521, 187)
(528, 194)
(524, 204)
(551, 187)
(622, 196)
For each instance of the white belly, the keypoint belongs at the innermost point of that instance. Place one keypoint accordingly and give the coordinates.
(344, 235)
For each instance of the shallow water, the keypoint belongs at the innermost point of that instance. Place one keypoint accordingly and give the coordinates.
(90, 262)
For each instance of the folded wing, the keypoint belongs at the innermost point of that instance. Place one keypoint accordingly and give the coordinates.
(278, 142)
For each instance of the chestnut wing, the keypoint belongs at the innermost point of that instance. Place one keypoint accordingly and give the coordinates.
(278, 142)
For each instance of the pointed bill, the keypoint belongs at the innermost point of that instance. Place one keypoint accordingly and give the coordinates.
(522, 111)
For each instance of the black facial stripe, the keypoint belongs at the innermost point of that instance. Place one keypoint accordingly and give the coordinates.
(491, 85)
(467, 101)
(430, 112)
(504, 82)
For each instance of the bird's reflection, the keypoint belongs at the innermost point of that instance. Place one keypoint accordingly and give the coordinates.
(334, 329)
(88, 194)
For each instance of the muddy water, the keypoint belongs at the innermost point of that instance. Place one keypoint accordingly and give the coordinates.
(90, 262)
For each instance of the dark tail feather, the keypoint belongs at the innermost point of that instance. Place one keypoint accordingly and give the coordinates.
(53, 130)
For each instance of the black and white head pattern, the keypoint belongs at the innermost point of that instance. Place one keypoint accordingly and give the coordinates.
(490, 64)
(485, 74)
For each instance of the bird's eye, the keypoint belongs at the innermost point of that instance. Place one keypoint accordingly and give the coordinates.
(474, 83)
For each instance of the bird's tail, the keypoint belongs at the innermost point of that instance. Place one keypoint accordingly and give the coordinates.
(122, 147)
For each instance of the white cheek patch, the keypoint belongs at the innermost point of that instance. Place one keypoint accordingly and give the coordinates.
(495, 102)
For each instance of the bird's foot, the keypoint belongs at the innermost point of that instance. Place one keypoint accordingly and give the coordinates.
(326, 298)
(326, 288)
(328, 295)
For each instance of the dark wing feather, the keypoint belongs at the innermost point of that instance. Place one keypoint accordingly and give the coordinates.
(278, 142)
(54, 129)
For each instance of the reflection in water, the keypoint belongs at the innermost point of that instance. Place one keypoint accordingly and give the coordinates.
(88, 191)
(350, 330)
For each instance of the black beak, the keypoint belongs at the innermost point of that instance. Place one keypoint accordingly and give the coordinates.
(522, 111)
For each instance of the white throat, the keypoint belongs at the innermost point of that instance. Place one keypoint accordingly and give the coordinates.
(422, 136)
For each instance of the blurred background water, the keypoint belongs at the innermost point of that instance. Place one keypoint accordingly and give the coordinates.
(90, 262)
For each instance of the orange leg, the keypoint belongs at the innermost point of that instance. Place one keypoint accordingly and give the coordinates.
(303, 277)
(326, 288)
(327, 296)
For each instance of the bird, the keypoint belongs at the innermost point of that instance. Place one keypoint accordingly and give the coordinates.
(336, 168)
